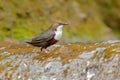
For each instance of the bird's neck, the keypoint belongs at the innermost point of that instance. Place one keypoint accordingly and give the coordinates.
(58, 32)
(59, 28)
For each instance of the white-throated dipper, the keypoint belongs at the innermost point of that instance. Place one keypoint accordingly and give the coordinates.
(49, 37)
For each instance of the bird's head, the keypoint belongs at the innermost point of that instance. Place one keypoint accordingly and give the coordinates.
(57, 25)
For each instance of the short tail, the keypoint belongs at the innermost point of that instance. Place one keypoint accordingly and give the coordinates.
(27, 41)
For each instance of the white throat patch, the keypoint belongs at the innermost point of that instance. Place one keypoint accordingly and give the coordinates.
(58, 33)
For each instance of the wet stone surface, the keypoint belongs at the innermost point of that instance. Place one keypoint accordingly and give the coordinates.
(78, 61)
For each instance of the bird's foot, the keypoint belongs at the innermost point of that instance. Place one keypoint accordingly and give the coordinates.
(44, 50)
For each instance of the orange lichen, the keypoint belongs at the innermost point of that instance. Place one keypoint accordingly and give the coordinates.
(65, 52)
(2, 68)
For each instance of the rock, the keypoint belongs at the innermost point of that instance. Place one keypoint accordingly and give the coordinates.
(76, 61)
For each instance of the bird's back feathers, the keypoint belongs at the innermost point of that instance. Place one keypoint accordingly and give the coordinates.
(42, 40)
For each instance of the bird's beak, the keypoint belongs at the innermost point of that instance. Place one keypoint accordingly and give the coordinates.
(64, 23)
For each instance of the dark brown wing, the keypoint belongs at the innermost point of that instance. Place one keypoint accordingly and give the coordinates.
(43, 39)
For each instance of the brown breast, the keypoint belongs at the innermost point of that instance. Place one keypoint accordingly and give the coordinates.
(53, 41)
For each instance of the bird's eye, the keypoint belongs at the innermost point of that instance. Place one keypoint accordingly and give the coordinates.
(55, 29)
(60, 23)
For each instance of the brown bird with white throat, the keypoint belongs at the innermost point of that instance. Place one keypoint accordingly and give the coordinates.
(48, 37)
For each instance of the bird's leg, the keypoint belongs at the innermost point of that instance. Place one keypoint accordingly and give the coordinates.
(41, 49)
(47, 50)
(44, 50)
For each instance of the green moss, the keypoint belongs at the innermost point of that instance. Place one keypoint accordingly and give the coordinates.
(26, 19)
(21, 32)
(110, 14)
(117, 32)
